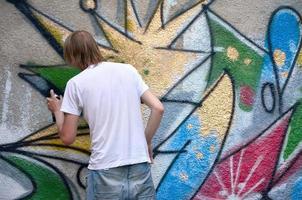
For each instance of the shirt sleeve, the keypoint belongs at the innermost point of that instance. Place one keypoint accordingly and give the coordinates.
(141, 85)
(72, 102)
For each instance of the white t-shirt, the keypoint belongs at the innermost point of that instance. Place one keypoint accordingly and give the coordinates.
(109, 94)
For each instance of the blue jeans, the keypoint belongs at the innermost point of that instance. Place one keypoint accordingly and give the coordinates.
(130, 182)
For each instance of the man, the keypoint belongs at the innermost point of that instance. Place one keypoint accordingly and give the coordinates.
(109, 96)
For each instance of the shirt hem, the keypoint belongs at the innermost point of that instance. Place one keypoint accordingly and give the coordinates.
(118, 163)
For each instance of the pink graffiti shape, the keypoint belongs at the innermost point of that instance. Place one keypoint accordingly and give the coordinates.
(248, 171)
(247, 95)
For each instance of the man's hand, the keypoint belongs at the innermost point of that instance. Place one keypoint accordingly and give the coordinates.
(67, 124)
(53, 103)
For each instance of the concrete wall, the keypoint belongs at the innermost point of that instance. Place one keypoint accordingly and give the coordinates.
(228, 72)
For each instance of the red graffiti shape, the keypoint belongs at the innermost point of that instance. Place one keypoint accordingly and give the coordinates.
(249, 170)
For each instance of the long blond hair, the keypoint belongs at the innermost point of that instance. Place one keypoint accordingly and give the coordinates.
(81, 50)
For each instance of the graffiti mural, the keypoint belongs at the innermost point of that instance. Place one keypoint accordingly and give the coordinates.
(232, 127)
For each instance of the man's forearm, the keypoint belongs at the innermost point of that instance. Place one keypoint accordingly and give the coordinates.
(157, 111)
(153, 124)
(67, 133)
(59, 115)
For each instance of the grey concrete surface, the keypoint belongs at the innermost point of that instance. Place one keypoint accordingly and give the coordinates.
(251, 17)
(23, 109)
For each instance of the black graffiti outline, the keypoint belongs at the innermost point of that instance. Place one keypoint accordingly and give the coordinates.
(126, 15)
(29, 67)
(97, 15)
(24, 7)
(89, 9)
(273, 95)
(160, 3)
(188, 115)
(237, 30)
(63, 177)
(204, 8)
(182, 150)
(170, 90)
(30, 154)
(30, 142)
(56, 90)
(79, 175)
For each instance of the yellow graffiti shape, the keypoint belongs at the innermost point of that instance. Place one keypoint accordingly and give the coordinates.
(247, 61)
(299, 61)
(145, 48)
(48, 136)
(279, 57)
(232, 53)
(216, 111)
(57, 31)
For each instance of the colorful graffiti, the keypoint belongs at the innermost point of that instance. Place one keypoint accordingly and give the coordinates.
(232, 126)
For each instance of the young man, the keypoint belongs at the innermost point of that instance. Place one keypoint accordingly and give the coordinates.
(109, 96)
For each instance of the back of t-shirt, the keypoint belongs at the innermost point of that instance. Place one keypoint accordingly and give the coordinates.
(109, 96)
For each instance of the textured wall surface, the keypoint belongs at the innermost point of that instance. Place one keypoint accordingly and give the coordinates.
(229, 73)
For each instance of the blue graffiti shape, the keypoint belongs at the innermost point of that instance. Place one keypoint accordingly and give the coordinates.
(297, 190)
(283, 42)
(189, 169)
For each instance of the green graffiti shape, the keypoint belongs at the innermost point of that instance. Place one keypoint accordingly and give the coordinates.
(295, 136)
(245, 68)
(49, 184)
(58, 76)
